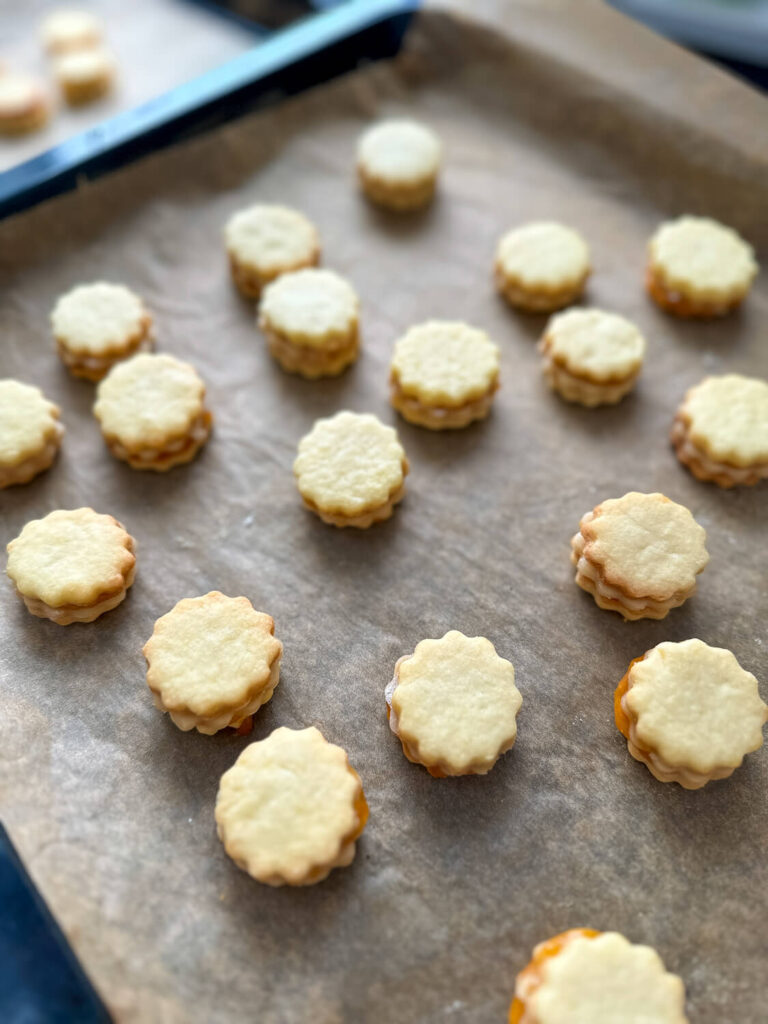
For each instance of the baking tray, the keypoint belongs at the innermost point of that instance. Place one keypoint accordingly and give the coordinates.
(111, 807)
(286, 62)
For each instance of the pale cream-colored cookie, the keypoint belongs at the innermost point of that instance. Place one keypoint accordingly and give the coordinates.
(212, 662)
(265, 241)
(30, 432)
(453, 705)
(70, 29)
(84, 75)
(591, 357)
(397, 164)
(698, 267)
(311, 322)
(583, 976)
(291, 808)
(689, 712)
(542, 266)
(97, 325)
(350, 470)
(24, 103)
(720, 431)
(152, 413)
(72, 566)
(639, 555)
(444, 374)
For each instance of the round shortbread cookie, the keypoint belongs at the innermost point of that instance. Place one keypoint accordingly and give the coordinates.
(24, 103)
(693, 712)
(350, 469)
(212, 661)
(453, 704)
(721, 430)
(265, 241)
(151, 411)
(291, 808)
(398, 163)
(70, 29)
(84, 75)
(30, 432)
(310, 320)
(698, 267)
(440, 371)
(604, 979)
(316, 308)
(72, 566)
(601, 347)
(96, 325)
(541, 266)
(645, 545)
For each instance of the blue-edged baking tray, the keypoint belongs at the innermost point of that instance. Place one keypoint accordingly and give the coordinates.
(286, 62)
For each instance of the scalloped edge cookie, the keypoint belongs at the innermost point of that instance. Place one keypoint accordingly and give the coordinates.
(35, 445)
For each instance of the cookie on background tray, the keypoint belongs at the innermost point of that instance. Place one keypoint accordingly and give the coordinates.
(720, 432)
(453, 705)
(97, 325)
(698, 267)
(689, 712)
(84, 75)
(30, 432)
(444, 374)
(639, 555)
(291, 808)
(583, 976)
(212, 661)
(542, 266)
(265, 241)
(398, 162)
(152, 413)
(310, 319)
(591, 357)
(25, 105)
(69, 29)
(350, 470)
(72, 565)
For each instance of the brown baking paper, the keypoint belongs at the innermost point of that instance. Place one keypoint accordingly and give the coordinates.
(558, 113)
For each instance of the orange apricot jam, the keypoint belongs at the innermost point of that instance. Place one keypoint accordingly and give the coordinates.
(544, 951)
(620, 716)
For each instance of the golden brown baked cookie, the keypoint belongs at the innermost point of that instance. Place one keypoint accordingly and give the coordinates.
(72, 566)
(542, 266)
(444, 374)
(689, 712)
(639, 555)
(291, 808)
(152, 413)
(583, 976)
(698, 267)
(264, 241)
(24, 103)
(70, 29)
(212, 661)
(591, 357)
(310, 321)
(30, 432)
(84, 75)
(720, 432)
(97, 325)
(397, 164)
(453, 705)
(350, 470)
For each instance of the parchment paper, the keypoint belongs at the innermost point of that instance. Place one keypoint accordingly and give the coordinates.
(564, 113)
